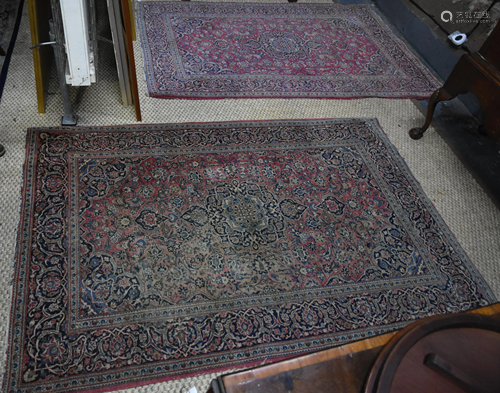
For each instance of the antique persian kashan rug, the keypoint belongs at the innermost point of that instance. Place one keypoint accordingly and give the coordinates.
(252, 50)
(153, 252)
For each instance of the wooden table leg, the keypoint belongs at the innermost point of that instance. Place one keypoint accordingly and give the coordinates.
(453, 86)
(471, 74)
(439, 95)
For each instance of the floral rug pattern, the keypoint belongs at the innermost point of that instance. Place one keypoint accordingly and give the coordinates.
(251, 50)
(154, 252)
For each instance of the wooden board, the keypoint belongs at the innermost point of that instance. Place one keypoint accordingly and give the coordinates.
(129, 33)
(43, 57)
(121, 28)
(118, 34)
(132, 20)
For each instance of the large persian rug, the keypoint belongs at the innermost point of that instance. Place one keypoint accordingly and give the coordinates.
(255, 50)
(153, 252)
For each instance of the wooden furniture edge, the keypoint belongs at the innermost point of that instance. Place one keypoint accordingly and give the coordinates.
(127, 18)
(132, 20)
(389, 359)
(306, 360)
(327, 354)
(37, 65)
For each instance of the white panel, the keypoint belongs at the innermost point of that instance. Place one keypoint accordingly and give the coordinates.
(76, 32)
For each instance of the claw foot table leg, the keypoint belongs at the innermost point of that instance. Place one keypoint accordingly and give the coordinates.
(438, 96)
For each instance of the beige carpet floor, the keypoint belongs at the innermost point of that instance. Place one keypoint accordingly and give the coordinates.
(465, 207)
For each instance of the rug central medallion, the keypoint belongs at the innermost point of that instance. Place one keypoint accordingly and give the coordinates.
(284, 45)
(275, 46)
(245, 215)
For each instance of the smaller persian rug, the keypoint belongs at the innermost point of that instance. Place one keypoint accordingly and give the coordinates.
(153, 252)
(256, 50)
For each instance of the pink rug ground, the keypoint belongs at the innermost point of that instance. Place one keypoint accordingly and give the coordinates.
(255, 50)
